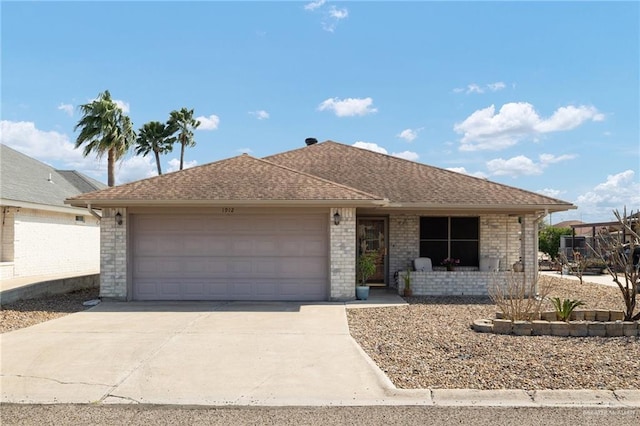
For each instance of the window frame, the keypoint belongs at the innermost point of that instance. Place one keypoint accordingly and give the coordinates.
(472, 260)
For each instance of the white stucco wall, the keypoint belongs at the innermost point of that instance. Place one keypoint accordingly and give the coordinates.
(54, 243)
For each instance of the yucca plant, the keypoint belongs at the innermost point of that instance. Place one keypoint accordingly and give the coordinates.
(565, 307)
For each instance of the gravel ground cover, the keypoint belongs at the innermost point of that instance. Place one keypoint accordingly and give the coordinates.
(429, 344)
(25, 313)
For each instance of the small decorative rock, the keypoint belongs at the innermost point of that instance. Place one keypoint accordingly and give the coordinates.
(540, 328)
(502, 326)
(597, 329)
(559, 328)
(578, 329)
(614, 329)
(602, 315)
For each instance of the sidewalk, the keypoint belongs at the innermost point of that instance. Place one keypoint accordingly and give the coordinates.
(604, 279)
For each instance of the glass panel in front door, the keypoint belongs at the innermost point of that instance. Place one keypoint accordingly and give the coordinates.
(371, 239)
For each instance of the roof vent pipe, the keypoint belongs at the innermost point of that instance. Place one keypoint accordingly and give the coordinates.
(311, 141)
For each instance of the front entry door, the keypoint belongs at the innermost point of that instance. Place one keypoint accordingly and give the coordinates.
(372, 238)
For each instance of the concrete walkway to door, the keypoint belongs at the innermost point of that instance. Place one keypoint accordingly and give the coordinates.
(201, 353)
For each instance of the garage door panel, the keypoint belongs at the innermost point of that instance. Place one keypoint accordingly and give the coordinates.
(198, 257)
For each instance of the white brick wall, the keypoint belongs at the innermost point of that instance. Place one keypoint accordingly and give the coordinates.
(404, 243)
(54, 243)
(342, 256)
(113, 255)
(8, 235)
(455, 283)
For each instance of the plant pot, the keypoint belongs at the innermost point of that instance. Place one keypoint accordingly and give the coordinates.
(408, 292)
(362, 292)
(451, 268)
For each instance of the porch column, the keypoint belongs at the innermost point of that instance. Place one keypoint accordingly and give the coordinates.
(113, 254)
(342, 254)
(529, 240)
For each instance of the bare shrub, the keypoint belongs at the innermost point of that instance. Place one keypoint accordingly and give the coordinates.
(517, 298)
(622, 258)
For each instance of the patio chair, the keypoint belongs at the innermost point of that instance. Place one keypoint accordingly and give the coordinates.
(423, 264)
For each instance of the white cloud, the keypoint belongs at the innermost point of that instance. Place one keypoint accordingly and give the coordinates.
(260, 114)
(498, 85)
(484, 129)
(174, 165)
(135, 168)
(408, 134)
(476, 88)
(124, 106)
(407, 155)
(370, 146)
(208, 123)
(314, 5)
(616, 192)
(331, 15)
(67, 108)
(338, 13)
(244, 150)
(549, 192)
(348, 107)
(516, 166)
(521, 165)
(464, 171)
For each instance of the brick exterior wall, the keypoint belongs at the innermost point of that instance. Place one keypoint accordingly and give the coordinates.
(342, 254)
(41, 242)
(508, 238)
(404, 243)
(113, 255)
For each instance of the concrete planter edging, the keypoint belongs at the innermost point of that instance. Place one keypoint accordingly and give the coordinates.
(600, 323)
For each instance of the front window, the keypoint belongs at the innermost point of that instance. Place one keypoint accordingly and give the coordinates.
(455, 237)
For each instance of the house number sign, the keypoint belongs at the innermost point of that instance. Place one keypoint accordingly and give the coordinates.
(228, 210)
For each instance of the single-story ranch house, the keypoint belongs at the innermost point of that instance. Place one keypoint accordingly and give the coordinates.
(40, 234)
(290, 227)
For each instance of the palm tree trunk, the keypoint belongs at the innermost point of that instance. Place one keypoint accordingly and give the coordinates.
(111, 163)
(158, 161)
(181, 154)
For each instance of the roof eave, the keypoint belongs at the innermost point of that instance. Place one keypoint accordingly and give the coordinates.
(549, 208)
(71, 209)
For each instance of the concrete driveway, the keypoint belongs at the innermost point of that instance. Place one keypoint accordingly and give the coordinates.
(194, 353)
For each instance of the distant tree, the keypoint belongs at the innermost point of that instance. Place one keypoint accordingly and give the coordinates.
(185, 123)
(549, 239)
(105, 128)
(155, 137)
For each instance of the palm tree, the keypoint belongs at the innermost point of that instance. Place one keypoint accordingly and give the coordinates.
(185, 123)
(104, 128)
(155, 137)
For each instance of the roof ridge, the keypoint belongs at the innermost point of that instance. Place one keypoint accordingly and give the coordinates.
(374, 196)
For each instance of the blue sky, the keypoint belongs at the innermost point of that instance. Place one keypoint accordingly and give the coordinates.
(539, 95)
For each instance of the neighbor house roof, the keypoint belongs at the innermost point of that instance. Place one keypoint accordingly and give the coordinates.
(329, 173)
(27, 182)
(242, 179)
(407, 183)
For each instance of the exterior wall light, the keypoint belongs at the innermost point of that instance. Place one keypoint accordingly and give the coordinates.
(336, 218)
(119, 218)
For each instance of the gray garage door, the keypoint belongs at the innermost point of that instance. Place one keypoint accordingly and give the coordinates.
(233, 257)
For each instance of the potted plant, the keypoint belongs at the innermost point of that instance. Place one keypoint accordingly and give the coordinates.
(407, 291)
(450, 263)
(365, 268)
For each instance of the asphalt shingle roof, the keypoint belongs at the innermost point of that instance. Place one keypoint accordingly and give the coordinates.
(241, 178)
(25, 179)
(323, 172)
(403, 181)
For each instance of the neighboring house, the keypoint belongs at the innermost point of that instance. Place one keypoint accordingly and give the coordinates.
(40, 234)
(290, 226)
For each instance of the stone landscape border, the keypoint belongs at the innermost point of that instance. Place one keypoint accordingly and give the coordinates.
(583, 323)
